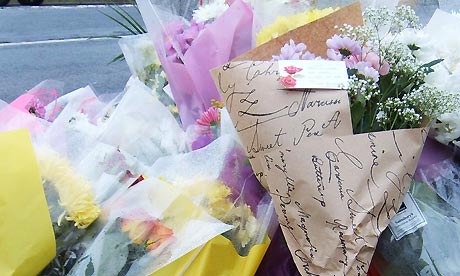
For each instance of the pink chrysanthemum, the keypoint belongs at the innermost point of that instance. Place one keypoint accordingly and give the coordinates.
(341, 47)
(210, 117)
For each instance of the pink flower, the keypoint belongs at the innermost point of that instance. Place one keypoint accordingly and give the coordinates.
(364, 68)
(341, 47)
(372, 59)
(292, 69)
(381, 66)
(210, 117)
(36, 107)
(288, 81)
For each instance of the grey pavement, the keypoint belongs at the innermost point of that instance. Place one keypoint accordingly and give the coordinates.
(69, 44)
(19, 24)
(77, 64)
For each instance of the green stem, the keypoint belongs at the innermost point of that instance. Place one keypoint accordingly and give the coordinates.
(394, 122)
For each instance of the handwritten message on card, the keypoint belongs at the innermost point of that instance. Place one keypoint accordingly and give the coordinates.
(267, 118)
(335, 195)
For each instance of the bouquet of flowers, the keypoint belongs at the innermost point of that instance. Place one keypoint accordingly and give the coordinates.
(143, 231)
(332, 125)
(83, 177)
(188, 50)
(353, 194)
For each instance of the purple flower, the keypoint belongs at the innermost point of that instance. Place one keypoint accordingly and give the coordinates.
(341, 47)
(291, 51)
(179, 37)
(309, 56)
(238, 175)
(294, 51)
(192, 32)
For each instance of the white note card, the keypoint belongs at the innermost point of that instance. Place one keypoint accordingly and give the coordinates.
(313, 74)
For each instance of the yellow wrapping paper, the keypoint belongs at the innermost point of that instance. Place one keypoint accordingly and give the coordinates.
(27, 242)
(216, 257)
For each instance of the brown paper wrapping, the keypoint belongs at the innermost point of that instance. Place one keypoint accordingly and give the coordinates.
(268, 118)
(334, 192)
(335, 195)
(314, 34)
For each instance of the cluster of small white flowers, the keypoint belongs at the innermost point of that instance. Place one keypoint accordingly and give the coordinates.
(395, 113)
(404, 17)
(432, 102)
(363, 34)
(403, 63)
(210, 11)
(362, 88)
(377, 17)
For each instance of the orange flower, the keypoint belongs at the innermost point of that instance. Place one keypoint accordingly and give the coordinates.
(146, 230)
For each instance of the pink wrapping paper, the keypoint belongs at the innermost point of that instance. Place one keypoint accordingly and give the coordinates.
(191, 83)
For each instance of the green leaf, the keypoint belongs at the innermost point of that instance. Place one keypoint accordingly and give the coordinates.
(138, 26)
(352, 71)
(433, 63)
(120, 23)
(413, 47)
(357, 113)
(120, 57)
(429, 65)
(128, 19)
(114, 252)
(90, 268)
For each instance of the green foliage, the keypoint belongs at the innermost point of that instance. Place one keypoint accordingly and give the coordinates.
(123, 18)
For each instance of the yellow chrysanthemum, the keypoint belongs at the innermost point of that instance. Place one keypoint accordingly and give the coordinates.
(218, 204)
(75, 193)
(284, 24)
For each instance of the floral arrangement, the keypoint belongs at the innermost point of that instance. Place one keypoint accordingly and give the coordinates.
(436, 41)
(132, 189)
(387, 87)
